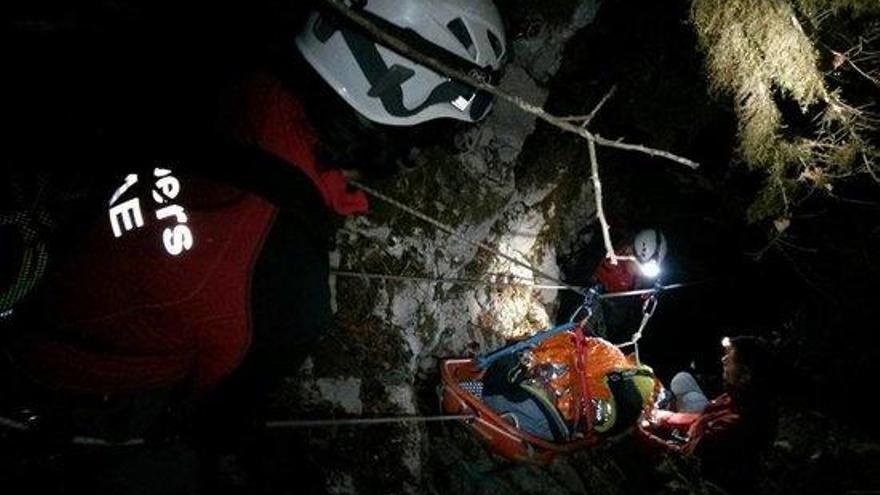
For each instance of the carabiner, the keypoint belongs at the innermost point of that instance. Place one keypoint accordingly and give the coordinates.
(650, 305)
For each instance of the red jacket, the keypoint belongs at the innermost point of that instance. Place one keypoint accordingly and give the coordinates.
(716, 425)
(727, 438)
(158, 292)
(616, 278)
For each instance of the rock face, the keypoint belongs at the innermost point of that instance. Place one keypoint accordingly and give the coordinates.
(381, 358)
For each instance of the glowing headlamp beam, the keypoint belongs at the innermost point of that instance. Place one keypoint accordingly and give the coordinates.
(650, 269)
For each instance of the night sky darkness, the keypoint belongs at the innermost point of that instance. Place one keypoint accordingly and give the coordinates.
(90, 86)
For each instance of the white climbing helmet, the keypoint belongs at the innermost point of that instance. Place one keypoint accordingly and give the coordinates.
(390, 89)
(649, 247)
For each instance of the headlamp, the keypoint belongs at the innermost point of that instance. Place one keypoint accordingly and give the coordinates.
(725, 342)
(650, 269)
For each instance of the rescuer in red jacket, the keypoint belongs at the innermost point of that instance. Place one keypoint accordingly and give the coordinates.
(203, 279)
(729, 432)
(648, 250)
(640, 268)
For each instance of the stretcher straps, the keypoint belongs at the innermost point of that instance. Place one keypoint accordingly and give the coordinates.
(581, 365)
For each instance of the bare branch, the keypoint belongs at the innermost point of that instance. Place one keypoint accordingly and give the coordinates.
(585, 119)
(858, 54)
(870, 168)
(863, 73)
(757, 255)
(599, 106)
(797, 270)
(644, 149)
(784, 195)
(600, 210)
(797, 247)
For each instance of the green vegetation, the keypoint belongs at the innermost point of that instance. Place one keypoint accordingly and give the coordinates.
(793, 123)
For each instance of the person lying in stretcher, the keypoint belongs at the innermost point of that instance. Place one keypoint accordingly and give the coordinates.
(570, 386)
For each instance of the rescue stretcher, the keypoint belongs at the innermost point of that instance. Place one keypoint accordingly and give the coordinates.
(459, 395)
(462, 379)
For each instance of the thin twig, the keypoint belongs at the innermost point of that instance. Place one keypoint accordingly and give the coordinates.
(860, 202)
(797, 247)
(784, 195)
(585, 119)
(794, 266)
(757, 255)
(863, 73)
(642, 149)
(870, 168)
(599, 106)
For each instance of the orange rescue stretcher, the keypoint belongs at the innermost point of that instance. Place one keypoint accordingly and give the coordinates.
(600, 374)
(501, 436)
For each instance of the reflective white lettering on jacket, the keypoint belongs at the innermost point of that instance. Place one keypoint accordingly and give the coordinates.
(127, 215)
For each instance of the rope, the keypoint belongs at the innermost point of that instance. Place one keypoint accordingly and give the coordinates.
(521, 283)
(648, 309)
(307, 423)
(100, 442)
(451, 231)
(450, 280)
(652, 290)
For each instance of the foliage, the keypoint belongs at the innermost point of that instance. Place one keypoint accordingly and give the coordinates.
(793, 123)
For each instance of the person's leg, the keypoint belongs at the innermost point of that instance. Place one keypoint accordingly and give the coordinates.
(689, 397)
(503, 393)
(524, 415)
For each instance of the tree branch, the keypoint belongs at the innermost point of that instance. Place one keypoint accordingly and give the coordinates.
(870, 168)
(600, 210)
(585, 119)
(599, 106)
(643, 149)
